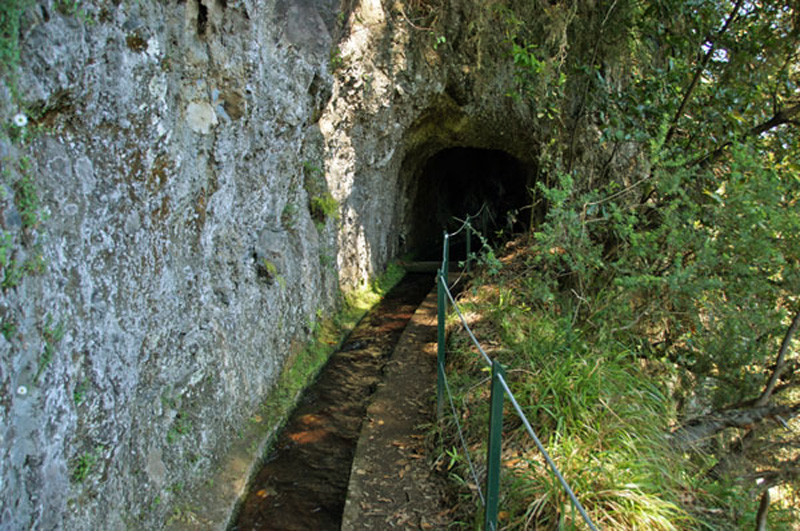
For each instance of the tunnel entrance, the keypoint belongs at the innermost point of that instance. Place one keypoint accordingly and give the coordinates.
(460, 181)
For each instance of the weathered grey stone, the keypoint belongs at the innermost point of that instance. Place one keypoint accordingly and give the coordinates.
(171, 165)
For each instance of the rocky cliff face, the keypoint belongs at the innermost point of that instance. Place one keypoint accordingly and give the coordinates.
(194, 182)
(412, 79)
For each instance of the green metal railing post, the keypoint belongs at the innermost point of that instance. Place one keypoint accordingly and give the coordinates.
(469, 243)
(440, 352)
(493, 452)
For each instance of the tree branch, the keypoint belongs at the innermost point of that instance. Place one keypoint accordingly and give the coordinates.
(782, 117)
(698, 73)
(763, 509)
(780, 363)
(784, 472)
(699, 429)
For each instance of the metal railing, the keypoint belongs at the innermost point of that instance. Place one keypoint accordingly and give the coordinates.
(490, 494)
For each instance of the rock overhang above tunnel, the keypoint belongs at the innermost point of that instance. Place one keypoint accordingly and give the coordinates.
(484, 125)
(455, 158)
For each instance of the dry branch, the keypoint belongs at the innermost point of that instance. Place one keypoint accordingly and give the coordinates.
(701, 429)
(780, 363)
(782, 117)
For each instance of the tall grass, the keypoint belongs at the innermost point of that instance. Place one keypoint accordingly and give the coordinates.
(599, 411)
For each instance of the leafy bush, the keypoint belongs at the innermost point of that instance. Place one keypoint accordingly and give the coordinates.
(661, 285)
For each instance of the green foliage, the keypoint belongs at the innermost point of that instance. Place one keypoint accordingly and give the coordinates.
(267, 270)
(26, 197)
(601, 416)
(335, 60)
(667, 268)
(269, 267)
(327, 261)
(699, 249)
(6, 250)
(79, 393)
(289, 216)
(324, 206)
(181, 426)
(18, 257)
(186, 515)
(538, 57)
(714, 265)
(8, 328)
(321, 203)
(84, 464)
(176, 488)
(360, 301)
(10, 13)
(51, 335)
(382, 284)
(486, 257)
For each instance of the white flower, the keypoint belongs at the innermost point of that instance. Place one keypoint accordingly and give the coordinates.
(22, 390)
(20, 120)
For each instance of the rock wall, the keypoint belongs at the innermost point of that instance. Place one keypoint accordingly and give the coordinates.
(195, 180)
(165, 142)
(410, 82)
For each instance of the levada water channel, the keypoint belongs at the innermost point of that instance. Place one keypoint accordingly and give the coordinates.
(303, 484)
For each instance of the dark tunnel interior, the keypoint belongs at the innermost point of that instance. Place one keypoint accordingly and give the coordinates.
(460, 181)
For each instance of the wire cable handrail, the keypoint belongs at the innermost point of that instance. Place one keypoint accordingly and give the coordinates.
(465, 222)
(546, 456)
(463, 440)
(486, 358)
(489, 500)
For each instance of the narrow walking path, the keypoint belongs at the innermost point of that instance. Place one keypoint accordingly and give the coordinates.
(392, 484)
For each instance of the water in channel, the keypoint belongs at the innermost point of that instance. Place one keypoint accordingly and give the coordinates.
(303, 484)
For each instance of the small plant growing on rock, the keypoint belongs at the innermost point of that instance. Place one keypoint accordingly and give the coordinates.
(289, 216)
(52, 336)
(79, 394)
(336, 60)
(26, 197)
(8, 328)
(20, 253)
(321, 203)
(268, 271)
(82, 465)
(179, 428)
(324, 206)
